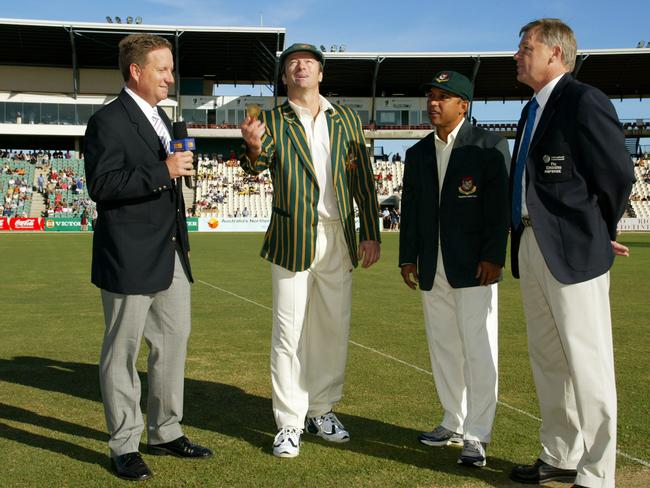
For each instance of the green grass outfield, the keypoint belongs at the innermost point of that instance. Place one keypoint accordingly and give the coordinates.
(52, 430)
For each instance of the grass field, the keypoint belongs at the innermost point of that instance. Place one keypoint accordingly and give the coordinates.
(52, 430)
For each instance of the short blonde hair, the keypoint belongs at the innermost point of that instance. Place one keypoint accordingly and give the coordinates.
(134, 50)
(554, 32)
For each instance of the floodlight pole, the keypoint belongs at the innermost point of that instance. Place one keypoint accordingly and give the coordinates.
(477, 64)
(378, 61)
(276, 71)
(177, 75)
(75, 67)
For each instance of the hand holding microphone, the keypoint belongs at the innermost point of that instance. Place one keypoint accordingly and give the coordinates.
(181, 160)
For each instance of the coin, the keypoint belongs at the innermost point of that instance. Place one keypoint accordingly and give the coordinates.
(253, 111)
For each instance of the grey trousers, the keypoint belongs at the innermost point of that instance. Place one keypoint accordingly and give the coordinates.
(163, 319)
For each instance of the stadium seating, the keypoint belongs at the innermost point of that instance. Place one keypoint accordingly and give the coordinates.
(388, 177)
(640, 197)
(222, 190)
(64, 199)
(16, 187)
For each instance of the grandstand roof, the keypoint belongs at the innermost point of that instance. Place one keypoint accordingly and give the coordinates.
(620, 73)
(223, 54)
(247, 54)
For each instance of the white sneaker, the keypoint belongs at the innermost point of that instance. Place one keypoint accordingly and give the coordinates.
(440, 436)
(473, 454)
(328, 427)
(287, 442)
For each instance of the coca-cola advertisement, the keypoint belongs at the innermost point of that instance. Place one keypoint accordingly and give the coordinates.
(26, 223)
(4, 224)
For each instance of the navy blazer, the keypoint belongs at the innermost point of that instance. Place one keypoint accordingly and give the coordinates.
(140, 211)
(472, 216)
(578, 180)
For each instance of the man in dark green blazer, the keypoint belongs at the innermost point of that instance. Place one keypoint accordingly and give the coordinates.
(319, 164)
(454, 230)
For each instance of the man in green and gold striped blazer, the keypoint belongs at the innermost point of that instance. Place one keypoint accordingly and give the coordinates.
(319, 166)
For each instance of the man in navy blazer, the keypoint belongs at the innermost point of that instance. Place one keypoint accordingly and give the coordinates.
(571, 177)
(141, 258)
(453, 236)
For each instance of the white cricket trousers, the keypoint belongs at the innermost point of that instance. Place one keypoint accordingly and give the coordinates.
(462, 331)
(571, 354)
(311, 322)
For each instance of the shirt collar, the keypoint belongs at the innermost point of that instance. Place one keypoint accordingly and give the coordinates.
(142, 103)
(544, 93)
(452, 135)
(324, 105)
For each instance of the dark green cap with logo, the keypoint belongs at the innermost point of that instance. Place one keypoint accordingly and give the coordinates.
(301, 47)
(452, 82)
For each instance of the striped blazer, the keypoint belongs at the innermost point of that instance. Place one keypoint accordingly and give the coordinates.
(290, 239)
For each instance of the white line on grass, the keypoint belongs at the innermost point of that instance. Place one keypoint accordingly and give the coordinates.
(429, 373)
(413, 366)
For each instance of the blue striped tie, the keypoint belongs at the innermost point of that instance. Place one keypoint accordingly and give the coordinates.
(521, 163)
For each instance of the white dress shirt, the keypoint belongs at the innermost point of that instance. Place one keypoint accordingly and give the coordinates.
(149, 111)
(318, 139)
(443, 153)
(542, 97)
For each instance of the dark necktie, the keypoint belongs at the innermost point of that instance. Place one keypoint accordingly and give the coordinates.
(521, 163)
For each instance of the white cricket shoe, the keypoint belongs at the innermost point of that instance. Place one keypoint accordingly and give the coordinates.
(328, 427)
(287, 442)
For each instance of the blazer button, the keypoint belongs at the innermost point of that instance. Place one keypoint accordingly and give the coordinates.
(174, 238)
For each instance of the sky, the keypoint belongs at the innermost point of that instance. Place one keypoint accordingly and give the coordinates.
(381, 25)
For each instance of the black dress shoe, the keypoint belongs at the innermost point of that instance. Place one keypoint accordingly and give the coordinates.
(181, 447)
(541, 472)
(130, 466)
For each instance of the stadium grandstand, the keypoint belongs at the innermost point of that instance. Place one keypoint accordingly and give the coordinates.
(54, 75)
(640, 198)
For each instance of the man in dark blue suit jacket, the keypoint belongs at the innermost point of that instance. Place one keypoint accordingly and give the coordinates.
(571, 177)
(140, 258)
(453, 235)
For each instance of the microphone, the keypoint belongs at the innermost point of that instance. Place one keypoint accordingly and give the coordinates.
(182, 143)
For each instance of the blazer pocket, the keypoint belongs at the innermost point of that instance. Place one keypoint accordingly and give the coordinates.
(281, 212)
(553, 166)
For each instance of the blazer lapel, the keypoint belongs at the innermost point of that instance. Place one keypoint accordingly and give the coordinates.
(430, 164)
(166, 121)
(520, 129)
(140, 122)
(549, 110)
(295, 132)
(337, 156)
(461, 140)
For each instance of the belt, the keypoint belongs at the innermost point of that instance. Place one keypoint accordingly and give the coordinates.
(525, 219)
(328, 223)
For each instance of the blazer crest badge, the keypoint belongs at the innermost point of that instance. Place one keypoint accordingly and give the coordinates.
(467, 186)
(351, 163)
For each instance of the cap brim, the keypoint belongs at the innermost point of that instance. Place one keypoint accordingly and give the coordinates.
(425, 87)
(318, 54)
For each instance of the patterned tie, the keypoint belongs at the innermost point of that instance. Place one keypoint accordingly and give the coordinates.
(159, 127)
(521, 164)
